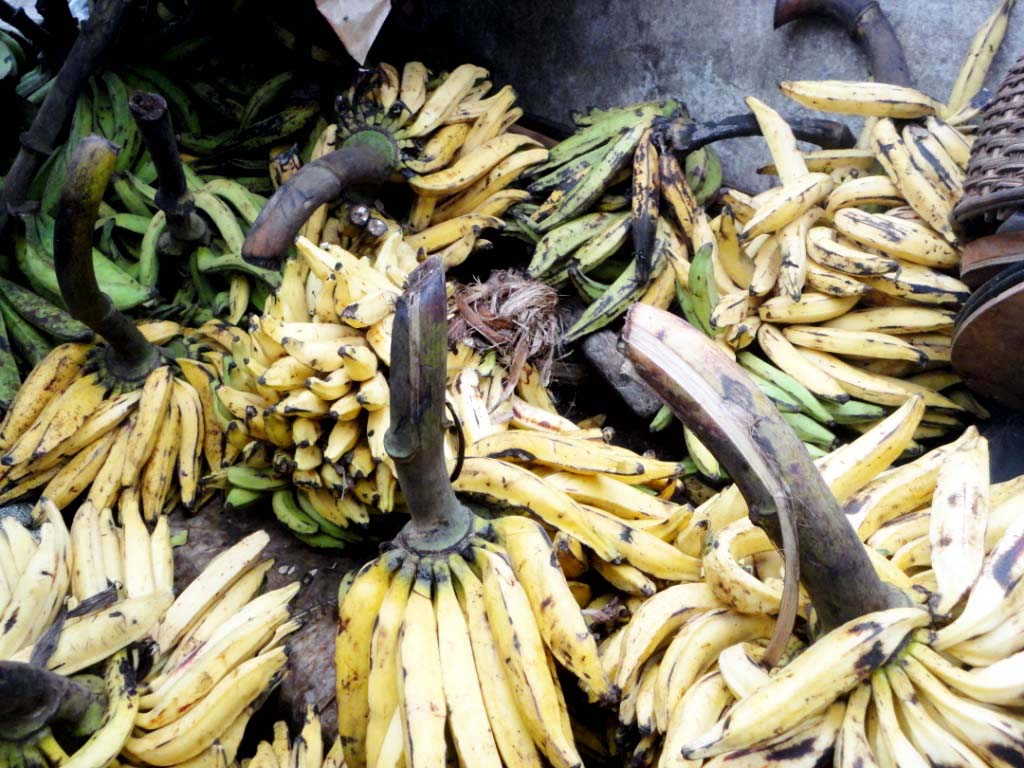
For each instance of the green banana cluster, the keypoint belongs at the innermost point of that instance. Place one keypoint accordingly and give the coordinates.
(600, 187)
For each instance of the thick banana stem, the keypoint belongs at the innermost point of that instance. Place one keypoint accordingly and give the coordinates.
(683, 136)
(713, 396)
(367, 157)
(868, 26)
(32, 697)
(37, 143)
(185, 228)
(131, 357)
(415, 441)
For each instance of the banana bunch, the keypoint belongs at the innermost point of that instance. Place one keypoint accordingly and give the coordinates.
(461, 647)
(898, 687)
(78, 427)
(304, 398)
(306, 750)
(218, 651)
(604, 183)
(458, 154)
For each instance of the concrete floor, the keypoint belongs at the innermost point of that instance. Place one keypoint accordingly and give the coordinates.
(570, 54)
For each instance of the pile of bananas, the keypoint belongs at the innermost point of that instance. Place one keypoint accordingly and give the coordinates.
(585, 220)
(99, 598)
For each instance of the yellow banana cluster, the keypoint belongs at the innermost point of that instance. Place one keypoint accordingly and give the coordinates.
(78, 600)
(453, 655)
(76, 429)
(306, 750)
(457, 151)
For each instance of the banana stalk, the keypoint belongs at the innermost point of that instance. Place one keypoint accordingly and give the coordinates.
(367, 157)
(130, 357)
(185, 228)
(787, 495)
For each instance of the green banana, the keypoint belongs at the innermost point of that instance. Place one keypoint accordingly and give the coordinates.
(703, 288)
(240, 498)
(325, 525)
(704, 460)
(287, 510)
(10, 379)
(590, 188)
(258, 135)
(126, 133)
(703, 170)
(30, 344)
(662, 420)
(233, 262)
(186, 119)
(130, 197)
(252, 479)
(570, 173)
(686, 305)
(43, 315)
(589, 289)
(320, 540)
(223, 218)
(555, 247)
(854, 412)
(809, 404)
(264, 96)
(240, 198)
(784, 401)
(810, 431)
(102, 109)
(665, 107)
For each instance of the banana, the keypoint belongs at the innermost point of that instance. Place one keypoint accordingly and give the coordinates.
(441, 100)
(78, 473)
(197, 729)
(899, 238)
(646, 198)
(832, 282)
(59, 420)
(38, 585)
(810, 307)
(991, 596)
(788, 204)
(793, 246)
(869, 344)
(795, 363)
(696, 647)
(866, 190)
(514, 486)
(823, 247)
(921, 285)
(105, 744)
(789, 162)
(808, 685)
(897, 320)
(813, 740)
(562, 625)
(934, 162)
(861, 98)
(47, 381)
(156, 394)
(613, 496)
(357, 614)
(914, 185)
(158, 473)
(558, 244)
(877, 388)
(510, 731)
(471, 167)
(697, 711)
(993, 734)
(87, 639)
(727, 579)
(518, 638)
(467, 716)
(959, 514)
(952, 141)
(982, 50)
(625, 578)
(895, 746)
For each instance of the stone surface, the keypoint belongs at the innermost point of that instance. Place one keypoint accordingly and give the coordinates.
(570, 54)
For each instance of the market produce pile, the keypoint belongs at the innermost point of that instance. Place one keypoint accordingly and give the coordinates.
(301, 330)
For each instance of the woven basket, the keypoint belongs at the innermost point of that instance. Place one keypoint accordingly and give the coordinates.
(994, 187)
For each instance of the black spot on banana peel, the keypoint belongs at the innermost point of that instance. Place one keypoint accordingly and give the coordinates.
(715, 398)
(367, 157)
(868, 26)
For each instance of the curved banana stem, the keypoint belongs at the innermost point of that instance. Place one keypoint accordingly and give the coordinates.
(419, 351)
(713, 396)
(185, 228)
(37, 143)
(32, 697)
(868, 26)
(131, 357)
(367, 157)
(685, 137)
